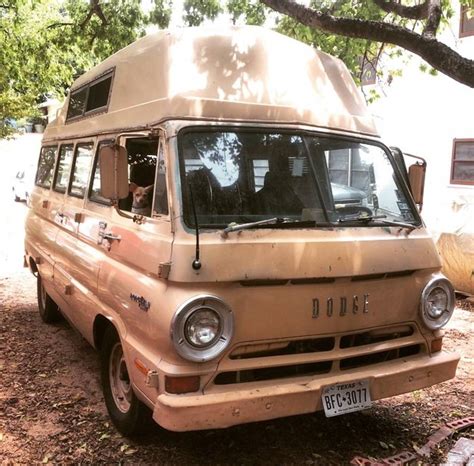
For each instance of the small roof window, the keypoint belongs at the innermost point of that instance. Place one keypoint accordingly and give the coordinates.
(91, 98)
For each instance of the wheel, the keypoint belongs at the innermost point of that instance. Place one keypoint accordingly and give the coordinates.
(48, 309)
(129, 415)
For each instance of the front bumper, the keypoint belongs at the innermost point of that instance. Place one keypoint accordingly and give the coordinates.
(257, 403)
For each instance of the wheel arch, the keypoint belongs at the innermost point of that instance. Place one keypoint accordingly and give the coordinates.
(101, 324)
(33, 266)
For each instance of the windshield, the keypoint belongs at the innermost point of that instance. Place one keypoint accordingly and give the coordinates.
(239, 176)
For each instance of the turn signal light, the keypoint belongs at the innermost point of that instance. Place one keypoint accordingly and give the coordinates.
(182, 384)
(436, 345)
(141, 367)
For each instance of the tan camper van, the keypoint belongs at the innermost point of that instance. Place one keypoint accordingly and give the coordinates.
(215, 212)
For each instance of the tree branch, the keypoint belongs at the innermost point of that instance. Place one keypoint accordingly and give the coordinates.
(410, 12)
(55, 25)
(434, 18)
(96, 9)
(88, 18)
(437, 54)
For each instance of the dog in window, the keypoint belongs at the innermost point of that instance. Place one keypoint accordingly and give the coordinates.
(141, 199)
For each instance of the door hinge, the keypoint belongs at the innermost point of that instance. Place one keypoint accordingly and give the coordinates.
(164, 269)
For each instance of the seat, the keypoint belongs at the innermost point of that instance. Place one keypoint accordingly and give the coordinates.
(277, 196)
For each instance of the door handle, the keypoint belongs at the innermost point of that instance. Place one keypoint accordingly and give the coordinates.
(61, 218)
(109, 236)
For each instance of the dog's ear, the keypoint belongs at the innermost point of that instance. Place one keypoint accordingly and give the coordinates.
(132, 187)
(149, 188)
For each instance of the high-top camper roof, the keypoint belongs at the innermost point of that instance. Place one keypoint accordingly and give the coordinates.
(239, 74)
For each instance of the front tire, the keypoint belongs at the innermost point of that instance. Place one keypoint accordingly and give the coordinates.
(48, 309)
(129, 415)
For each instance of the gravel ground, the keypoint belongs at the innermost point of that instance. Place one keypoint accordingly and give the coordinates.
(52, 411)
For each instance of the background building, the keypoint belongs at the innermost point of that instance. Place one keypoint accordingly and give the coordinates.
(432, 116)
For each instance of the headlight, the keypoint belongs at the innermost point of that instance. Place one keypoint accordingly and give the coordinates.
(202, 328)
(437, 303)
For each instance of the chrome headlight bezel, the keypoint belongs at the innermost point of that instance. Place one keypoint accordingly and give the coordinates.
(438, 282)
(181, 340)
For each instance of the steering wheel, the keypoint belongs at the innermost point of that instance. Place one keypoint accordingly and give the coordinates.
(355, 209)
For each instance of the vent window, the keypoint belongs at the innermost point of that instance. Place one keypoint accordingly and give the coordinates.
(91, 98)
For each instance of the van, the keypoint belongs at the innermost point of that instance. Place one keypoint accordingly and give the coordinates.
(275, 262)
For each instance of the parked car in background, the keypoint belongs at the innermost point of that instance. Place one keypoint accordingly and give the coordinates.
(23, 183)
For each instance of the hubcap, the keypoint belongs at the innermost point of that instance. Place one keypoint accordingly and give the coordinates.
(119, 379)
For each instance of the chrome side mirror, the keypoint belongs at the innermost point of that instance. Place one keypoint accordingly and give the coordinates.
(113, 162)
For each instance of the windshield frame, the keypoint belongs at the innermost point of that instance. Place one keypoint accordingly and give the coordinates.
(303, 132)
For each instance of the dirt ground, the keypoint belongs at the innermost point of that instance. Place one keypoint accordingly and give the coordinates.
(51, 407)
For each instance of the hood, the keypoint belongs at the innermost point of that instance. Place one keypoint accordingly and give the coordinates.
(272, 254)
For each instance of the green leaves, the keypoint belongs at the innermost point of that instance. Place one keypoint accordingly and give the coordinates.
(196, 11)
(161, 13)
(247, 11)
(46, 44)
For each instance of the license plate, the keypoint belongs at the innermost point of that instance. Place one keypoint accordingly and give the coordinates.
(342, 398)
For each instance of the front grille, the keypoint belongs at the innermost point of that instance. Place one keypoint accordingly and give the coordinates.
(375, 336)
(313, 345)
(270, 373)
(315, 356)
(375, 358)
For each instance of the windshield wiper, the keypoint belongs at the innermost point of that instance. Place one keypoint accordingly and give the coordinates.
(377, 219)
(246, 226)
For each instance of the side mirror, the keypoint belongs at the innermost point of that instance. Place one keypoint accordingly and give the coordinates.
(416, 177)
(113, 172)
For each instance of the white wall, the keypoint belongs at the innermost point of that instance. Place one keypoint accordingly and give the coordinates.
(422, 114)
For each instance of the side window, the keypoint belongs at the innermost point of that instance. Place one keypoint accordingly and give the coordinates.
(260, 169)
(466, 26)
(338, 164)
(348, 168)
(142, 155)
(77, 103)
(99, 94)
(93, 97)
(44, 174)
(161, 191)
(94, 193)
(462, 165)
(63, 168)
(80, 170)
